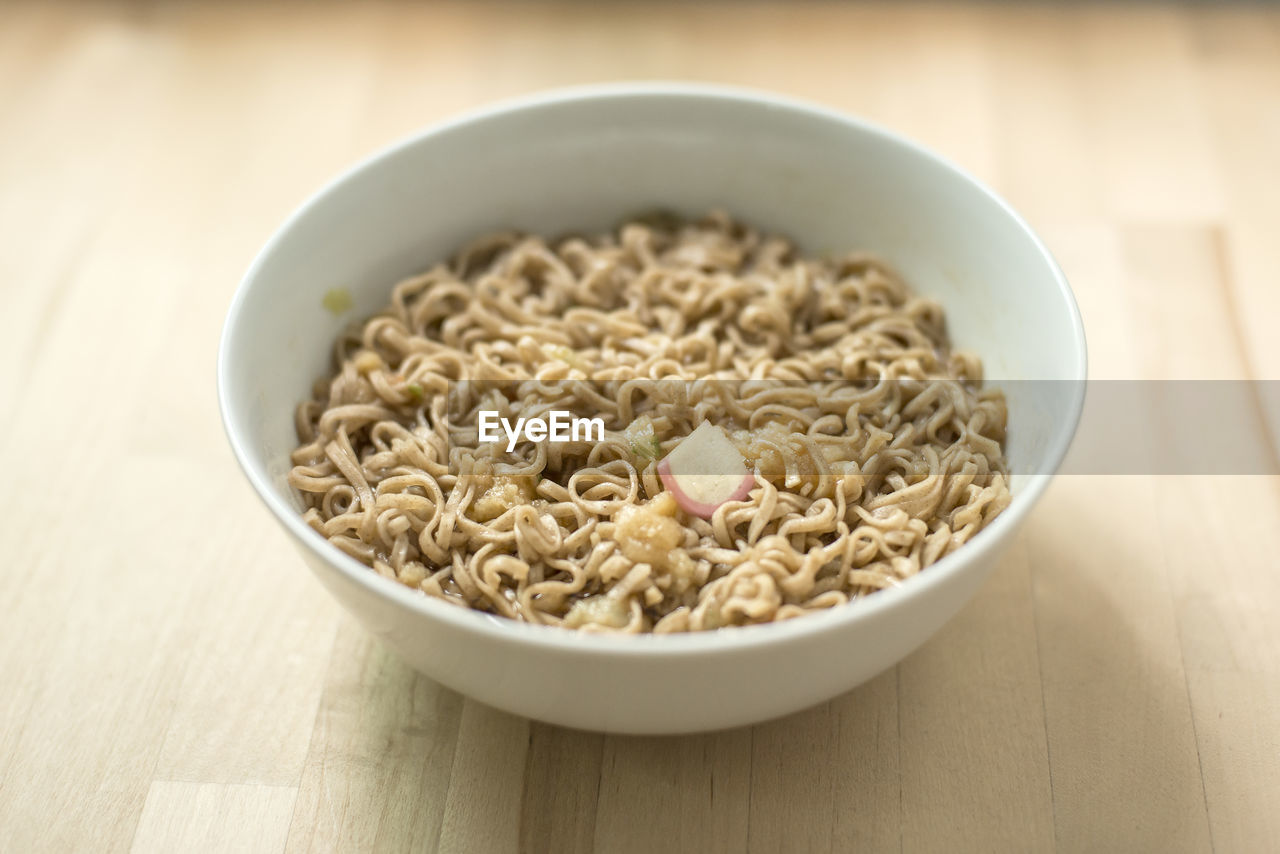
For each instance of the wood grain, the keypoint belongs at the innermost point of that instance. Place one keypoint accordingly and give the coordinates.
(171, 677)
(214, 817)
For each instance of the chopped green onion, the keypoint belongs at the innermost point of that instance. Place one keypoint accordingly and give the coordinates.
(569, 357)
(337, 301)
(644, 444)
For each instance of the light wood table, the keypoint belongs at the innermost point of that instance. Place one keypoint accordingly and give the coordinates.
(171, 678)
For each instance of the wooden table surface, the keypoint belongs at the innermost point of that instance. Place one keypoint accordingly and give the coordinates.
(172, 679)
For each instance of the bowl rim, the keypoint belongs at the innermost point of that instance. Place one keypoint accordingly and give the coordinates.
(505, 630)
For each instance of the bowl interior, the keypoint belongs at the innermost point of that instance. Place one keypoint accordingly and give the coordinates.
(584, 160)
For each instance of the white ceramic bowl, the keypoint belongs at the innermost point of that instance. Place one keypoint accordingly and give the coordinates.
(584, 159)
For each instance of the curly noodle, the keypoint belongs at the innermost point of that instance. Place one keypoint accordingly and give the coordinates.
(876, 450)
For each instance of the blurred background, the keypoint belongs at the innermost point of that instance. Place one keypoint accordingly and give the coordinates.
(173, 679)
